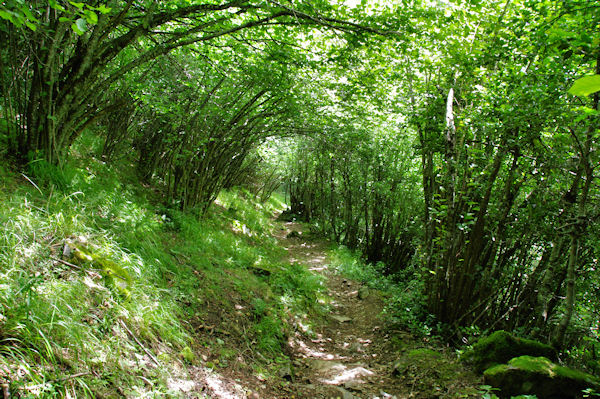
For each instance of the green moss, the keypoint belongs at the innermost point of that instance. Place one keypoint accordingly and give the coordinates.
(544, 365)
(187, 354)
(497, 369)
(501, 346)
(424, 353)
(538, 376)
(115, 275)
(431, 372)
(533, 364)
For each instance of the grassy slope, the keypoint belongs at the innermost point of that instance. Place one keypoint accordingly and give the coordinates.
(77, 331)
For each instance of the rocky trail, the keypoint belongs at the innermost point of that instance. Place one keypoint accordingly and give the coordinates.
(349, 353)
(352, 354)
(345, 357)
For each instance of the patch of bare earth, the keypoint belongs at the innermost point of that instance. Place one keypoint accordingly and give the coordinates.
(346, 355)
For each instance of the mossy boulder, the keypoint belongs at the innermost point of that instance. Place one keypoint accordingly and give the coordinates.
(500, 347)
(416, 357)
(528, 375)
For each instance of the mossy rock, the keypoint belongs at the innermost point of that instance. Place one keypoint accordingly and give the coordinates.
(500, 347)
(528, 375)
(424, 354)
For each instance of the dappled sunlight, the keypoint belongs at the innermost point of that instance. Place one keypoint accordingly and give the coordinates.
(317, 269)
(346, 374)
(300, 346)
(180, 385)
(214, 385)
(219, 388)
(340, 355)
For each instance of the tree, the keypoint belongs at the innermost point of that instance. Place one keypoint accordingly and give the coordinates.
(60, 72)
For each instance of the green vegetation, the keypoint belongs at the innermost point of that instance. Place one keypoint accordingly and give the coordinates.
(405, 305)
(450, 147)
(500, 346)
(539, 376)
(433, 373)
(139, 282)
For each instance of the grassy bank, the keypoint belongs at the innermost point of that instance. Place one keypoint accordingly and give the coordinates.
(104, 292)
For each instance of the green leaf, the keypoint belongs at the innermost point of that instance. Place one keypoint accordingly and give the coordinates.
(91, 17)
(6, 15)
(78, 5)
(28, 14)
(31, 25)
(103, 9)
(585, 86)
(80, 26)
(54, 4)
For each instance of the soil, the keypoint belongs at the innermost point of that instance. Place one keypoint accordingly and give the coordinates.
(349, 354)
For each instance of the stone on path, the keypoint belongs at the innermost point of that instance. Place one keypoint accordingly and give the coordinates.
(363, 293)
(341, 319)
(346, 394)
(324, 366)
(286, 372)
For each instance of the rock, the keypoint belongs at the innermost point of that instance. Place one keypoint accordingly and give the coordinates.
(341, 319)
(294, 234)
(416, 357)
(353, 385)
(324, 366)
(527, 375)
(363, 292)
(500, 347)
(356, 347)
(286, 372)
(66, 251)
(346, 394)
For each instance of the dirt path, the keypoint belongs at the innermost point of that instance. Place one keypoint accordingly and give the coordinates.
(349, 355)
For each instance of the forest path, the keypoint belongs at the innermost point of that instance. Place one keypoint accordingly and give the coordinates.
(349, 354)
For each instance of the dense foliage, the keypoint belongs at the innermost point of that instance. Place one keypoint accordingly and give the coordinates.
(454, 142)
(503, 231)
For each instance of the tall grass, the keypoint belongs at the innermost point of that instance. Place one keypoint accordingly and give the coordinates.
(67, 329)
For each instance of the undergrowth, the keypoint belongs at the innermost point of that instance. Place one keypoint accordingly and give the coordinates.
(76, 327)
(405, 301)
